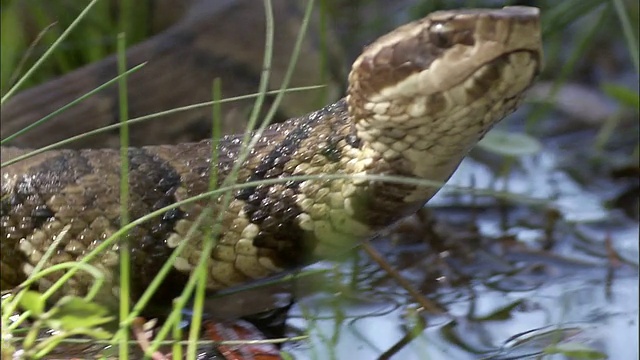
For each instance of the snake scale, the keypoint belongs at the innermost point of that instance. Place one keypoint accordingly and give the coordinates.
(418, 99)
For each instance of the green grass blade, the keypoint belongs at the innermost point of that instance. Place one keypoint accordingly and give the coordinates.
(124, 249)
(210, 238)
(629, 33)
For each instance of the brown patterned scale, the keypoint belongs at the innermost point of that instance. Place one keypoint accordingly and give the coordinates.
(419, 98)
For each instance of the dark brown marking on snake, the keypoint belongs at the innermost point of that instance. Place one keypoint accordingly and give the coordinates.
(273, 161)
(152, 179)
(40, 214)
(382, 201)
(24, 210)
(32, 190)
(409, 56)
(153, 184)
(53, 175)
(273, 208)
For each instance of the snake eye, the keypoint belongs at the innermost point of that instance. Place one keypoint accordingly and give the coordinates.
(440, 36)
(445, 36)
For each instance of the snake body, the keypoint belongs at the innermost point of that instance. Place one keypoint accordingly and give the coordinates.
(419, 98)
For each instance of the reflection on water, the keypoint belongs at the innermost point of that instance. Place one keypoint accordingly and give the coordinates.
(584, 307)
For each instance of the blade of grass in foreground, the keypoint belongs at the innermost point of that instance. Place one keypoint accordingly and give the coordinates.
(210, 238)
(629, 33)
(124, 248)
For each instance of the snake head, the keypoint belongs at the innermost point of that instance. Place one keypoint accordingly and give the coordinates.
(424, 94)
(442, 50)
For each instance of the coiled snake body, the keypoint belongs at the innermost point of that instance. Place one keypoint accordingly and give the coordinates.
(419, 98)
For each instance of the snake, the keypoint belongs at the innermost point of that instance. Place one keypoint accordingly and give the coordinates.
(418, 99)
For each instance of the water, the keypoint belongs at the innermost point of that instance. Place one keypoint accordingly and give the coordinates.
(506, 295)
